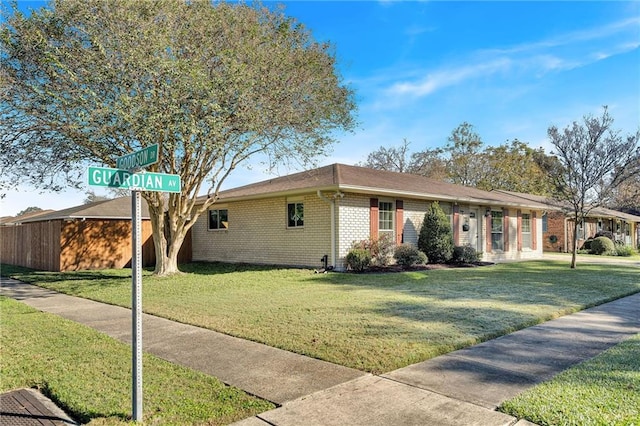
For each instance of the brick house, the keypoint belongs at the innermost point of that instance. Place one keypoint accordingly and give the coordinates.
(300, 218)
(558, 226)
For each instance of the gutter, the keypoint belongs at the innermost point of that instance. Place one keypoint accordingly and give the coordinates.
(332, 205)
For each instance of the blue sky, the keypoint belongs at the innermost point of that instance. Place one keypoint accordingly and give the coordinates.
(420, 68)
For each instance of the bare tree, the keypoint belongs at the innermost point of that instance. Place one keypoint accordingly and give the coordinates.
(593, 161)
(393, 159)
(213, 83)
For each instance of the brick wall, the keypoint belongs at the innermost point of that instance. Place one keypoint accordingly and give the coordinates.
(258, 233)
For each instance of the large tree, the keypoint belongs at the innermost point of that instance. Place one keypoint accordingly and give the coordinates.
(593, 161)
(466, 163)
(515, 166)
(213, 83)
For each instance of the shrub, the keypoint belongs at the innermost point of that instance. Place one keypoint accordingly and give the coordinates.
(380, 249)
(436, 238)
(607, 234)
(465, 254)
(586, 246)
(622, 250)
(602, 245)
(409, 255)
(358, 259)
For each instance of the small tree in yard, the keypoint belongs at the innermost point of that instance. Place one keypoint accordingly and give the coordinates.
(213, 83)
(593, 160)
(436, 237)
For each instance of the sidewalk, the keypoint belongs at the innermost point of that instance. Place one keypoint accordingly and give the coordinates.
(460, 388)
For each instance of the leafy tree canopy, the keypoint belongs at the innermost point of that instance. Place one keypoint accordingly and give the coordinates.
(512, 166)
(213, 83)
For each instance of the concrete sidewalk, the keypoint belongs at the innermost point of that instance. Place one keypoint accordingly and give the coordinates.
(460, 388)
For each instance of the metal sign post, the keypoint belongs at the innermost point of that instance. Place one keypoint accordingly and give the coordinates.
(136, 308)
(128, 176)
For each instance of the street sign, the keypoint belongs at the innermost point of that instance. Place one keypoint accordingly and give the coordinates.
(139, 159)
(143, 181)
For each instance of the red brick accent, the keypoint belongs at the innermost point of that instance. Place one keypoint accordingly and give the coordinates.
(534, 231)
(519, 213)
(373, 218)
(399, 221)
(505, 228)
(488, 231)
(456, 225)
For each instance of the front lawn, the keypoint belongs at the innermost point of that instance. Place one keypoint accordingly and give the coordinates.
(372, 322)
(89, 375)
(602, 391)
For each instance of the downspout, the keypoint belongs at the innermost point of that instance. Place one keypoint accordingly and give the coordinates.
(332, 204)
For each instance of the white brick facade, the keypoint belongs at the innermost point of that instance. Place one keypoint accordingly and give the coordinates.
(258, 232)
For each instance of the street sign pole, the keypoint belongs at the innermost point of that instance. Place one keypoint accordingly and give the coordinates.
(136, 309)
(127, 176)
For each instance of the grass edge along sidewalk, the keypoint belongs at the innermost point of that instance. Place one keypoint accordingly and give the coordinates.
(604, 390)
(88, 374)
(371, 322)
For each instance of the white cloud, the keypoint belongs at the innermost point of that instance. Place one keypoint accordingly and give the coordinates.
(561, 53)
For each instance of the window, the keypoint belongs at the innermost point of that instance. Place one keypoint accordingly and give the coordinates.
(219, 219)
(545, 223)
(526, 230)
(496, 230)
(385, 216)
(295, 215)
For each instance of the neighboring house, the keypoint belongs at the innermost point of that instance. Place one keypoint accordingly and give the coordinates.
(558, 227)
(300, 218)
(90, 236)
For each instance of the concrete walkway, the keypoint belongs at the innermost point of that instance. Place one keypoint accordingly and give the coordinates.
(460, 388)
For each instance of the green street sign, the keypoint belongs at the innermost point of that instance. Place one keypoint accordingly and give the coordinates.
(136, 160)
(116, 178)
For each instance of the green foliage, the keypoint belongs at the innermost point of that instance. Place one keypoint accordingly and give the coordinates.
(213, 83)
(409, 255)
(604, 390)
(602, 245)
(89, 375)
(625, 251)
(436, 237)
(358, 259)
(373, 322)
(465, 254)
(586, 246)
(380, 249)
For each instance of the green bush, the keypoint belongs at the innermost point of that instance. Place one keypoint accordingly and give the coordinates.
(380, 249)
(624, 251)
(465, 254)
(436, 238)
(602, 245)
(358, 259)
(409, 255)
(587, 245)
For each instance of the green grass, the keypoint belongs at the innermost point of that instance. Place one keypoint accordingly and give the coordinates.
(602, 391)
(89, 375)
(372, 322)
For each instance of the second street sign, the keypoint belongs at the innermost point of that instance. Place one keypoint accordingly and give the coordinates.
(136, 160)
(116, 178)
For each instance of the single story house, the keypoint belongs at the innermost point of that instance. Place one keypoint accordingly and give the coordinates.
(301, 218)
(90, 236)
(558, 227)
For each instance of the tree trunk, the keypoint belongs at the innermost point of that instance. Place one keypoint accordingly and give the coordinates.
(574, 252)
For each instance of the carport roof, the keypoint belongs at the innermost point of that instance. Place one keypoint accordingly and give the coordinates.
(117, 208)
